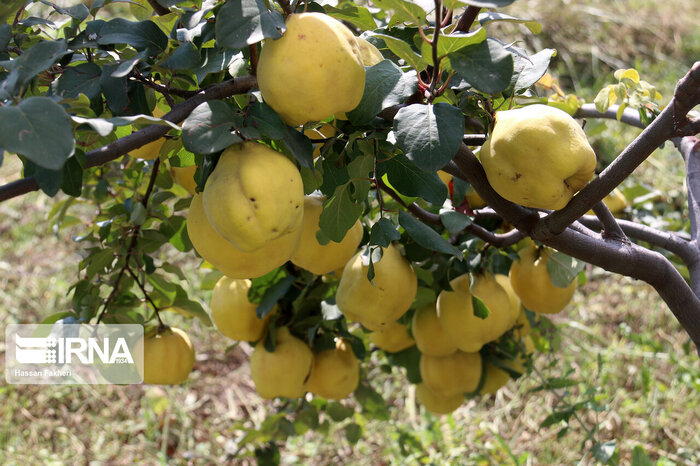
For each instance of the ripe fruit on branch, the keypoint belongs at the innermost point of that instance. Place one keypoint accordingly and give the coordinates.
(284, 371)
(233, 314)
(168, 356)
(151, 150)
(494, 379)
(321, 259)
(437, 404)
(253, 196)
(430, 338)
(336, 372)
(451, 375)
(533, 285)
(369, 53)
(456, 312)
(230, 260)
(376, 305)
(313, 71)
(537, 156)
(392, 338)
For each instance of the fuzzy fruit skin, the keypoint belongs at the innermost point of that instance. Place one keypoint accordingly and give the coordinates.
(393, 338)
(495, 379)
(376, 306)
(231, 261)
(232, 313)
(537, 156)
(254, 196)
(336, 372)
(184, 176)
(456, 312)
(369, 53)
(322, 259)
(430, 338)
(451, 375)
(437, 404)
(531, 282)
(313, 71)
(168, 357)
(283, 372)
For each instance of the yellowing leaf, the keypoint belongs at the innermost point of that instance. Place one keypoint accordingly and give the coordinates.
(630, 74)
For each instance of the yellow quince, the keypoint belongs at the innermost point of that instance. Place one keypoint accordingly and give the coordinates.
(233, 314)
(451, 375)
(430, 338)
(253, 196)
(437, 404)
(392, 338)
(336, 372)
(313, 71)
(537, 156)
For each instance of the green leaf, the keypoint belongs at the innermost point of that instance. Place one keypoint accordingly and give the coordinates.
(141, 35)
(167, 291)
(114, 88)
(429, 135)
(338, 412)
(99, 262)
(53, 318)
(208, 128)
(184, 305)
(640, 457)
(404, 11)
(448, 43)
(49, 181)
(357, 16)
(106, 126)
(8, 8)
(385, 85)
(33, 61)
(604, 452)
(529, 69)
(383, 233)
(563, 269)
(455, 221)
(426, 236)
(245, 22)
(372, 403)
(80, 79)
(353, 433)
(24, 129)
(5, 34)
(339, 214)
(410, 180)
(480, 309)
(492, 16)
(403, 50)
(299, 146)
(273, 294)
(72, 177)
(487, 66)
(175, 229)
(409, 359)
(185, 57)
(267, 121)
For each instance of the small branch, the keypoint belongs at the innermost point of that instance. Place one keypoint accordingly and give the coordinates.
(167, 90)
(253, 58)
(629, 115)
(467, 18)
(137, 139)
(434, 45)
(286, 7)
(611, 230)
(414, 208)
(497, 240)
(689, 148)
(145, 294)
(158, 8)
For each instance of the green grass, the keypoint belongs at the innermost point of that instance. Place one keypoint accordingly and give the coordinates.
(622, 345)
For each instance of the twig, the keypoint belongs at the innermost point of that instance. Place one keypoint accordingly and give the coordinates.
(139, 138)
(689, 148)
(145, 294)
(629, 116)
(286, 7)
(611, 230)
(159, 9)
(434, 46)
(467, 18)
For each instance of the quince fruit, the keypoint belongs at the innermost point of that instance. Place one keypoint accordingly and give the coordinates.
(368, 52)
(184, 176)
(230, 260)
(168, 356)
(253, 196)
(313, 71)
(494, 379)
(393, 338)
(284, 371)
(456, 312)
(533, 285)
(451, 375)
(537, 156)
(320, 258)
(437, 404)
(378, 303)
(336, 372)
(430, 338)
(232, 313)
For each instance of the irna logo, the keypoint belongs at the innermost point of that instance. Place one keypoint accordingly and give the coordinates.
(52, 350)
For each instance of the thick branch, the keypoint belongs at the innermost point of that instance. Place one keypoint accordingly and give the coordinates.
(139, 138)
(668, 124)
(689, 147)
(467, 18)
(159, 9)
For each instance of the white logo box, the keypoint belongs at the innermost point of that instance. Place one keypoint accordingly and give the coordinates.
(73, 354)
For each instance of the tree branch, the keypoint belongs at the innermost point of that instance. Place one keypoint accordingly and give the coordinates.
(139, 138)
(689, 148)
(668, 124)
(159, 9)
(629, 116)
(610, 227)
(467, 18)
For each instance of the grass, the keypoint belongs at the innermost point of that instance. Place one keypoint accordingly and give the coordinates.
(631, 362)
